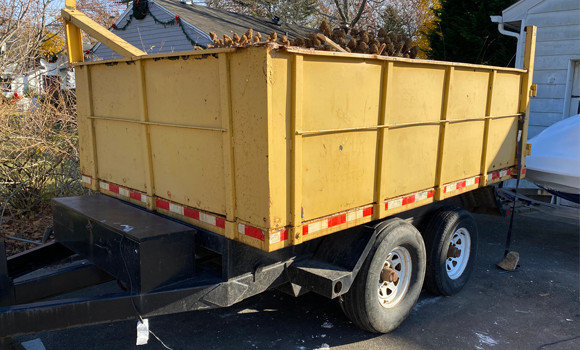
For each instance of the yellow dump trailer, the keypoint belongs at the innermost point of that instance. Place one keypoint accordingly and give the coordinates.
(348, 175)
(272, 146)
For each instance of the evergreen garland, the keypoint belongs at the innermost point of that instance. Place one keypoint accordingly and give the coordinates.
(141, 10)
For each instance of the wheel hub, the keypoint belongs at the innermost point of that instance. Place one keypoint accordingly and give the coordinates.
(453, 252)
(395, 277)
(458, 253)
(389, 275)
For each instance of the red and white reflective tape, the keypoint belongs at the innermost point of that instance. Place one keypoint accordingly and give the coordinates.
(461, 184)
(124, 192)
(498, 174)
(251, 231)
(416, 197)
(278, 236)
(87, 179)
(191, 213)
(337, 220)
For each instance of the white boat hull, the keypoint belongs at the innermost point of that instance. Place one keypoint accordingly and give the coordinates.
(555, 161)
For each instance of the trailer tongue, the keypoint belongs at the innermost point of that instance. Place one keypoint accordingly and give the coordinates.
(165, 266)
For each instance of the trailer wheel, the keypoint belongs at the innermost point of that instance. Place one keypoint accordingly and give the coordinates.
(390, 280)
(451, 241)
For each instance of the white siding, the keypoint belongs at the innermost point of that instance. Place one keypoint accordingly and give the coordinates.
(558, 43)
(151, 37)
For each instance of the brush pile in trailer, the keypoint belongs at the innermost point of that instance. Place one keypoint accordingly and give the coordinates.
(328, 39)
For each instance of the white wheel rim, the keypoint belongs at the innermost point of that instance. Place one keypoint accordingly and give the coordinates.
(391, 293)
(461, 242)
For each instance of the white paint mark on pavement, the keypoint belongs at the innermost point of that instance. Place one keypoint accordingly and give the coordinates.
(486, 339)
(424, 302)
(327, 325)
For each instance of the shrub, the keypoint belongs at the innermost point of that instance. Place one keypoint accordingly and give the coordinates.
(38, 152)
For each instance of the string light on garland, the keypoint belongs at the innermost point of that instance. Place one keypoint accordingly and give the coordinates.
(141, 10)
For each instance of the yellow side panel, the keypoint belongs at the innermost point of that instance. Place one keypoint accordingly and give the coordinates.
(340, 93)
(280, 140)
(417, 93)
(410, 153)
(338, 172)
(250, 134)
(503, 132)
(185, 92)
(120, 153)
(114, 90)
(502, 144)
(468, 94)
(463, 145)
(462, 151)
(188, 167)
(410, 158)
(339, 168)
(506, 94)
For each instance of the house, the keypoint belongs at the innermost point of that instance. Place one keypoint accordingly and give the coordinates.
(172, 26)
(43, 76)
(557, 63)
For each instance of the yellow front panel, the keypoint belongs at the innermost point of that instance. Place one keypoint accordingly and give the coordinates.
(114, 91)
(84, 123)
(187, 162)
(279, 139)
(188, 167)
(249, 72)
(184, 91)
(120, 156)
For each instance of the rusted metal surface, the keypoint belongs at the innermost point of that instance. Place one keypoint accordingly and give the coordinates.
(389, 275)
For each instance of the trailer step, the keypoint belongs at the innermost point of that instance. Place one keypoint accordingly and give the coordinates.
(323, 278)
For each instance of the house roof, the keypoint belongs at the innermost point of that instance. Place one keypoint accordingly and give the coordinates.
(519, 10)
(225, 22)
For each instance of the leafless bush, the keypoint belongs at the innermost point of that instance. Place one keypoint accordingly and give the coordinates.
(38, 153)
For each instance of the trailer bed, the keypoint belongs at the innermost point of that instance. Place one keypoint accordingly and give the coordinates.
(273, 146)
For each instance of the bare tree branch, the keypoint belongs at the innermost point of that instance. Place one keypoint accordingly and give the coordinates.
(359, 14)
(343, 15)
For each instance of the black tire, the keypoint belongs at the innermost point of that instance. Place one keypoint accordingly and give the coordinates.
(446, 275)
(362, 303)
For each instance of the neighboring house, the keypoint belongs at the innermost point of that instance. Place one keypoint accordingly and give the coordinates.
(43, 77)
(190, 25)
(557, 63)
